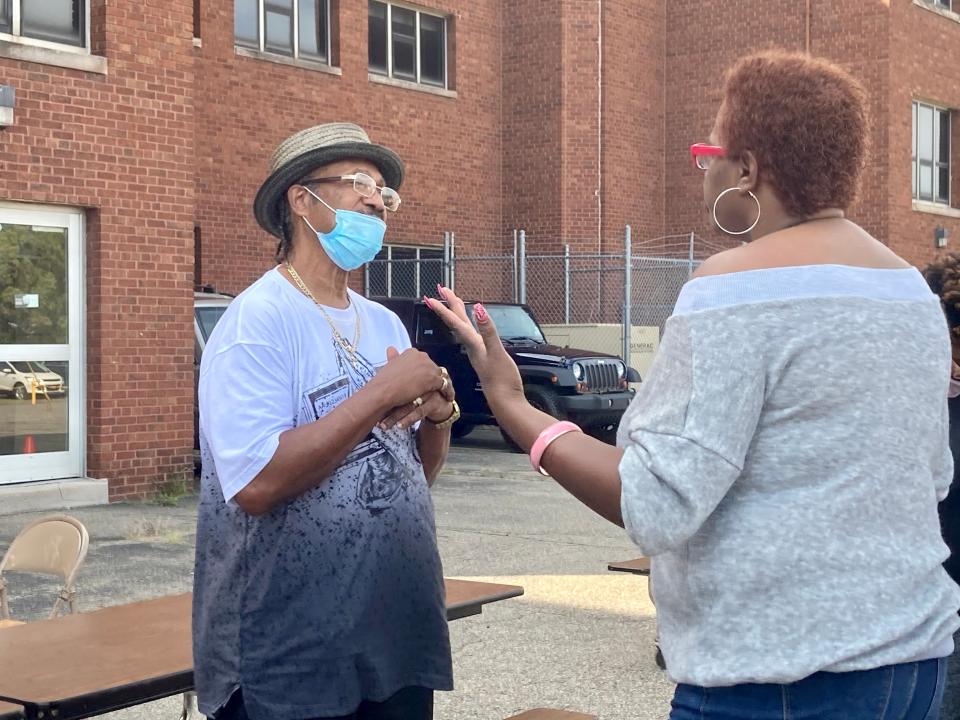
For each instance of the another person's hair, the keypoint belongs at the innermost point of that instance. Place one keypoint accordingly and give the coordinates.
(943, 277)
(805, 120)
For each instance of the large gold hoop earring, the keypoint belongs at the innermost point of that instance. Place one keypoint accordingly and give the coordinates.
(731, 232)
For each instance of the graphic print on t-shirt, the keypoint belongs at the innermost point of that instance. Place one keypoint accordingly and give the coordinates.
(381, 465)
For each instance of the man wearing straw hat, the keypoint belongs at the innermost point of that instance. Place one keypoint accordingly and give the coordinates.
(318, 590)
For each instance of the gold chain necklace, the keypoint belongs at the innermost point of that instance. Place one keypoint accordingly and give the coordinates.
(351, 349)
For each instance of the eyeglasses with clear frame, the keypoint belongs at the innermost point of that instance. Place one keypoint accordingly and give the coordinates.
(703, 154)
(363, 185)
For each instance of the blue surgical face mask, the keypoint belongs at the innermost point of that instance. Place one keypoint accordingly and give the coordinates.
(355, 240)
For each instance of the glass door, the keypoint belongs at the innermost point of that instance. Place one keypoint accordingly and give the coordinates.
(41, 344)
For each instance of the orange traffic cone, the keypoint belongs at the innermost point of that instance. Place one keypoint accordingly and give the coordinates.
(29, 446)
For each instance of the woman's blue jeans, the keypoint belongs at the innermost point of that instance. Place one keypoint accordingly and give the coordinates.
(909, 691)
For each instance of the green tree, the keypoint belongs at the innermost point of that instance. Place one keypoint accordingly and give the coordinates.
(33, 261)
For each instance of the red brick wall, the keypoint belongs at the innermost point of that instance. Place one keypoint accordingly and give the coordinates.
(856, 35)
(703, 39)
(451, 146)
(927, 49)
(898, 50)
(633, 121)
(176, 135)
(578, 145)
(532, 122)
(583, 129)
(560, 174)
(121, 145)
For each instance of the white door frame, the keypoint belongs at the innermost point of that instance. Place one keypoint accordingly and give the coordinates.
(72, 462)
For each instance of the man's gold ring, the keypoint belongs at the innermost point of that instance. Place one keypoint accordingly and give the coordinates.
(443, 385)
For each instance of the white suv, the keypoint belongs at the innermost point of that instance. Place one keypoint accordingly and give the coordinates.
(208, 307)
(16, 379)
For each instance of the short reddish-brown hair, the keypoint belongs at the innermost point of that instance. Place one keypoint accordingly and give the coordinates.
(805, 120)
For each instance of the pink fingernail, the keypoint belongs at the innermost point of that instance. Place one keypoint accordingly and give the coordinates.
(426, 301)
(480, 312)
(441, 292)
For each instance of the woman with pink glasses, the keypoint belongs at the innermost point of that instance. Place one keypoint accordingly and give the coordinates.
(783, 460)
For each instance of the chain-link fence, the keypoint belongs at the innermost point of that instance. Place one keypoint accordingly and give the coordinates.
(615, 303)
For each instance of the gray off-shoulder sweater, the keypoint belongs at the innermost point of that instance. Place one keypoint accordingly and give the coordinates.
(783, 463)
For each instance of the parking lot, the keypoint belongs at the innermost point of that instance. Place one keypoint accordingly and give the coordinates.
(580, 638)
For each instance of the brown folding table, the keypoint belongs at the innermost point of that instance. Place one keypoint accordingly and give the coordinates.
(467, 597)
(637, 566)
(87, 664)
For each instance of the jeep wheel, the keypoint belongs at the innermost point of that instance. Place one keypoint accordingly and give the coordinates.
(545, 400)
(461, 429)
(19, 391)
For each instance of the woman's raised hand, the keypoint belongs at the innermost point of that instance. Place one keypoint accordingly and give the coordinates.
(498, 373)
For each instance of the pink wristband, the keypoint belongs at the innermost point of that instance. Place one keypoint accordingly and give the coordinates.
(545, 439)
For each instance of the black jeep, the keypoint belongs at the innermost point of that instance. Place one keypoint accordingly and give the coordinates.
(589, 388)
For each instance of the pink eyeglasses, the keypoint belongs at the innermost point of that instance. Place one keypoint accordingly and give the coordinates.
(703, 154)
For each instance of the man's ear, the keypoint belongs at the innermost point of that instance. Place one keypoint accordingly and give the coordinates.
(749, 171)
(299, 200)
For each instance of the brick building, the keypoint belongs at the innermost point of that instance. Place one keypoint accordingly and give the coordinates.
(138, 138)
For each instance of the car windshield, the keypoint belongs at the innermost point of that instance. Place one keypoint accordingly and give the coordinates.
(515, 324)
(34, 366)
(207, 317)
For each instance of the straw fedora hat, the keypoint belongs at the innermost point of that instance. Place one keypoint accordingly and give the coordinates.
(305, 151)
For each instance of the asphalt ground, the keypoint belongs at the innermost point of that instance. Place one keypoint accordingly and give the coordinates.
(581, 638)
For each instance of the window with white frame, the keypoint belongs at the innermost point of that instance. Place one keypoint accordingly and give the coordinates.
(931, 153)
(945, 4)
(56, 21)
(294, 28)
(407, 44)
(405, 272)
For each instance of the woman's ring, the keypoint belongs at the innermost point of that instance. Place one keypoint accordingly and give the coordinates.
(417, 402)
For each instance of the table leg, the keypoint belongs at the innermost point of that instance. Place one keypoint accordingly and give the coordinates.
(658, 654)
(190, 709)
(31, 711)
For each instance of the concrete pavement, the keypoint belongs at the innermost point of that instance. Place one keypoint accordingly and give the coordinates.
(581, 638)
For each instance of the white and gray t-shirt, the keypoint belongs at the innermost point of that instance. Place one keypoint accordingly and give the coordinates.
(784, 459)
(336, 596)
